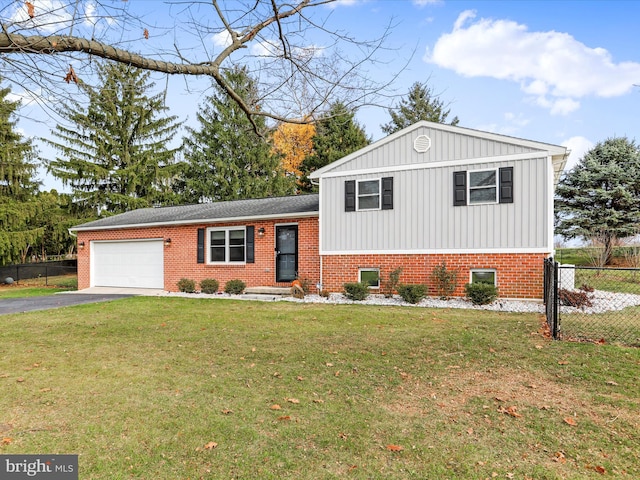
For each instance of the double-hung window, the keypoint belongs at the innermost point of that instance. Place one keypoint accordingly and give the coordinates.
(369, 194)
(483, 187)
(477, 187)
(227, 245)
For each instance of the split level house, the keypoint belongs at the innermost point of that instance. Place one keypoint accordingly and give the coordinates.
(430, 193)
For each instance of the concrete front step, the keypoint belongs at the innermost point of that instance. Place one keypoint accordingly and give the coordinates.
(282, 291)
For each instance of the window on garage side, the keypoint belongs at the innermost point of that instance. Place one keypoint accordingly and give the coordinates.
(227, 245)
(370, 277)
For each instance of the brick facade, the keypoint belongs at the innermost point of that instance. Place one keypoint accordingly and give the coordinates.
(519, 275)
(180, 257)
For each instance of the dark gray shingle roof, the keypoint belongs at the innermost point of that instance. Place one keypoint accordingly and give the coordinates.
(209, 212)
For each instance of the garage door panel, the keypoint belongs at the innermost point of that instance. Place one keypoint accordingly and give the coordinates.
(133, 264)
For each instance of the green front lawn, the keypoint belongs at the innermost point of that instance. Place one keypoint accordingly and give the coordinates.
(175, 388)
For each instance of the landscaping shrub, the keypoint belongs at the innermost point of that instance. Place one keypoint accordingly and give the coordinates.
(445, 280)
(356, 291)
(572, 298)
(393, 282)
(305, 284)
(187, 286)
(412, 293)
(234, 287)
(481, 293)
(209, 285)
(325, 293)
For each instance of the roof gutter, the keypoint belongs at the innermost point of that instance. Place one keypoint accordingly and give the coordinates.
(193, 222)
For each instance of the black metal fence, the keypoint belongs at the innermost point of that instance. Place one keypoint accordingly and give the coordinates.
(593, 304)
(51, 273)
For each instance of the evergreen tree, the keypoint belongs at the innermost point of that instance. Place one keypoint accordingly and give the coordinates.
(421, 103)
(115, 153)
(18, 206)
(599, 199)
(337, 135)
(226, 159)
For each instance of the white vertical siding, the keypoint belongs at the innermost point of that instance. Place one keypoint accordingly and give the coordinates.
(424, 218)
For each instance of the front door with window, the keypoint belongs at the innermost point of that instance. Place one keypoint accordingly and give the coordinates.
(286, 253)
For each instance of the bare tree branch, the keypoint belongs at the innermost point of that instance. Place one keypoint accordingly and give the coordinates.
(271, 37)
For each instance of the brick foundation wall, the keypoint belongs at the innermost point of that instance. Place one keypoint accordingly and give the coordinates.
(518, 275)
(180, 258)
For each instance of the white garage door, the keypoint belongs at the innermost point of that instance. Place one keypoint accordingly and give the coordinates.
(133, 264)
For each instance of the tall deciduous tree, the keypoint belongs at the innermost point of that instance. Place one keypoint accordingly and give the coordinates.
(270, 37)
(18, 206)
(226, 159)
(293, 142)
(600, 197)
(115, 152)
(421, 103)
(337, 134)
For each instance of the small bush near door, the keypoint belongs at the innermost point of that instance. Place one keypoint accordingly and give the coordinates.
(187, 286)
(209, 285)
(234, 287)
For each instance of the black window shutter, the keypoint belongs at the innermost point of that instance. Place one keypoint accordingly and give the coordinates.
(250, 242)
(350, 196)
(506, 185)
(459, 188)
(201, 245)
(387, 193)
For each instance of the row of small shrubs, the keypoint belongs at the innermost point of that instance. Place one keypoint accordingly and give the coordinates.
(211, 285)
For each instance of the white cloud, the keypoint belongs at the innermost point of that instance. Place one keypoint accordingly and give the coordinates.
(578, 146)
(553, 67)
(423, 3)
(222, 39)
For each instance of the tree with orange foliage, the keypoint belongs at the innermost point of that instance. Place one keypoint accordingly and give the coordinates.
(294, 142)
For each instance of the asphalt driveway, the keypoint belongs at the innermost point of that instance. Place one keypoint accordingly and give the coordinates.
(18, 305)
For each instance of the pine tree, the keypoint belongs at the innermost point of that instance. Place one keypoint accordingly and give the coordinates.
(114, 153)
(421, 103)
(18, 206)
(599, 199)
(226, 159)
(337, 135)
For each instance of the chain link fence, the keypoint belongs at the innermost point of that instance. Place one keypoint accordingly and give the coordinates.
(52, 274)
(598, 304)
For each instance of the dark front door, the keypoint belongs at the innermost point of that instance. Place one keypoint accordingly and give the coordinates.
(286, 253)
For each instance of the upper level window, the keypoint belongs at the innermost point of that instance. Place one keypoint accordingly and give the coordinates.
(376, 194)
(227, 245)
(483, 186)
(368, 194)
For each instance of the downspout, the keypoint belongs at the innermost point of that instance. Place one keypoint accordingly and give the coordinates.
(319, 286)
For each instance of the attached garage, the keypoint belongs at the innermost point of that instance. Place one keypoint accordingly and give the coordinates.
(130, 263)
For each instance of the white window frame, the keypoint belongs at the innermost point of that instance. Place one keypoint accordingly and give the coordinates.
(227, 246)
(496, 186)
(379, 194)
(484, 270)
(371, 269)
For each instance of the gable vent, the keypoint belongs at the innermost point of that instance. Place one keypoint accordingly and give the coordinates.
(422, 143)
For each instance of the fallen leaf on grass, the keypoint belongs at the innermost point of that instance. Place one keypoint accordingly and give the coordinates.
(337, 374)
(511, 411)
(293, 400)
(20, 380)
(43, 390)
(276, 407)
(284, 418)
(470, 431)
(226, 411)
(600, 469)
(210, 446)
(300, 378)
(563, 362)
(318, 400)
(394, 448)
(611, 382)
(4, 375)
(559, 457)
(6, 440)
(570, 421)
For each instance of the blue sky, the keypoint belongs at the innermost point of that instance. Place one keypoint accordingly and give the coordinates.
(561, 72)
